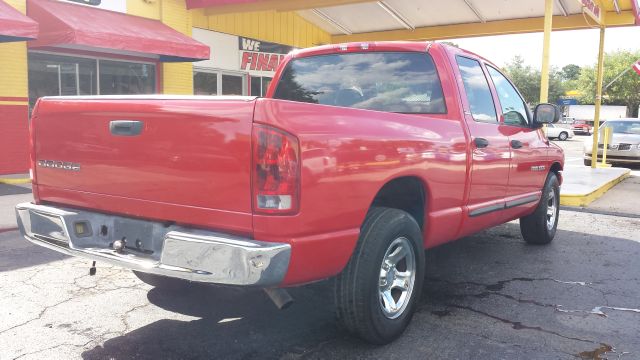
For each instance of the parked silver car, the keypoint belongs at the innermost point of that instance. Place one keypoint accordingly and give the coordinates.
(624, 147)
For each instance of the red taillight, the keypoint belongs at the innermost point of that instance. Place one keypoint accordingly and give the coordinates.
(276, 171)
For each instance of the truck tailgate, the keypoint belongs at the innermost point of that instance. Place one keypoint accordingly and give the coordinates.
(186, 160)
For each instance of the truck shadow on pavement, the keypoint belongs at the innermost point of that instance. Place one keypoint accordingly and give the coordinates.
(7, 189)
(17, 253)
(486, 296)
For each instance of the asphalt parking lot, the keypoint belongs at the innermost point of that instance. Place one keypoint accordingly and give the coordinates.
(488, 296)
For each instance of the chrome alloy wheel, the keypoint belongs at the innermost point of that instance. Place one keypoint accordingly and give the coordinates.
(397, 277)
(552, 209)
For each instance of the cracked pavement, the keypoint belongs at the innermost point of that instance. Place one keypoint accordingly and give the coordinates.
(487, 296)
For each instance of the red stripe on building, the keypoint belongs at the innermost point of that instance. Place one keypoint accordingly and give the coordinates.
(13, 98)
(14, 138)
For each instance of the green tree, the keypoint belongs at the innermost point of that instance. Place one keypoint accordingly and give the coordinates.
(527, 80)
(624, 91)
(570, 72)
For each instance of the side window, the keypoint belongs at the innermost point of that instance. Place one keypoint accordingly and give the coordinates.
(514, 109)
(477, 88)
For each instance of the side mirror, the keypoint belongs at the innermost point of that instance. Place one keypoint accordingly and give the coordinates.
(545, 114)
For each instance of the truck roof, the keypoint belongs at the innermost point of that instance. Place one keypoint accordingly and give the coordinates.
(381, 46)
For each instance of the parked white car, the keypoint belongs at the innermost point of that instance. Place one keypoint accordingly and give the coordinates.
(558, 132)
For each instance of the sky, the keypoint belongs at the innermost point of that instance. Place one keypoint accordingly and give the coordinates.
(578, 47)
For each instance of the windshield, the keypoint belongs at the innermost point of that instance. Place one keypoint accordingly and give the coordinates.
(623, 127)
(384, 81)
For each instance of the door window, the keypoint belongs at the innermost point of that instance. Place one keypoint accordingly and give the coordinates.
(477, 89)
(514, 109)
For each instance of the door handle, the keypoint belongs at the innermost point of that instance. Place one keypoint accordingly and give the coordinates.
(481, 142)
(516, 144)
(125, 127)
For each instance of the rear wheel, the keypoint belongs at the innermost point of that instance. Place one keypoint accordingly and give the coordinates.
(161, 282)
(563, 136)
(587, 162)
(377, 293)
(540, 227)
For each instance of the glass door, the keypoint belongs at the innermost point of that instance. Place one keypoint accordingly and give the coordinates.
(68, 79)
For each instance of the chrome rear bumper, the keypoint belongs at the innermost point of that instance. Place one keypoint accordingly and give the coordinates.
(169, 250)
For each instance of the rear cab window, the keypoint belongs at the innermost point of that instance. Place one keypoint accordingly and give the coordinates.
(401, 82)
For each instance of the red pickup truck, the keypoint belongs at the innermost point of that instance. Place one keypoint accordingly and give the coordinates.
(581, 127)
(360, 157)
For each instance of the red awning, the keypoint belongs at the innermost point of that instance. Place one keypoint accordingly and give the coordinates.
(82, 27)
(14, 26)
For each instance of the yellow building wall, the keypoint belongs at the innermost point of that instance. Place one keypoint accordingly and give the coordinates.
(286, 28)
(177, 77)
(13, 65)
(144, 8)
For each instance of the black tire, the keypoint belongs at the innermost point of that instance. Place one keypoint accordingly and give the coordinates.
(357, 289)
(563, 136)
(539, 228)
(587, 162)
(161, 282)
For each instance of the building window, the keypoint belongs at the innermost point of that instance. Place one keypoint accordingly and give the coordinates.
(212, 82)
(232, 84)
(205, 83)
(52, 75)
(259, 85)
(120, 78)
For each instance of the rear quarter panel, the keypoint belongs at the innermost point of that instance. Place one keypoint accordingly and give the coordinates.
(348, 155)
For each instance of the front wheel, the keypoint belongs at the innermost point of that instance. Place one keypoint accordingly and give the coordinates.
(540, 227)
(377, 292)
(563, 136)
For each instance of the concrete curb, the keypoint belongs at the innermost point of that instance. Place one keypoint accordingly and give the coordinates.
(582, 200)
(15, 181)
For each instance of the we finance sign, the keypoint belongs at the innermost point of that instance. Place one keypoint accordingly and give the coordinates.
(592, 8)
(256, 55)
